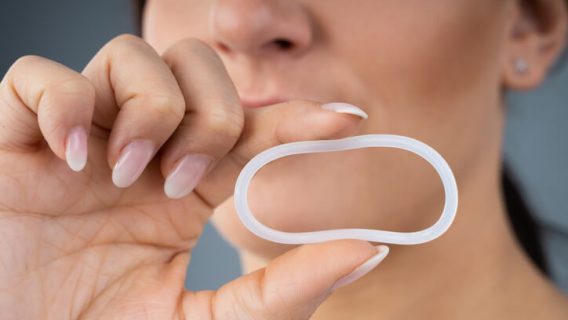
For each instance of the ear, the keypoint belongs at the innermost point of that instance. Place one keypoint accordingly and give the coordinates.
(536, 38)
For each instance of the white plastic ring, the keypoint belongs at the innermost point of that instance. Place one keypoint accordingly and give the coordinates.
(356, 142)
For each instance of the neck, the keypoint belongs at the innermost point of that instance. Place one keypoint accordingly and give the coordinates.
(476, 270)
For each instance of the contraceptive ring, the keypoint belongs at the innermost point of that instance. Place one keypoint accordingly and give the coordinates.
(350, 143)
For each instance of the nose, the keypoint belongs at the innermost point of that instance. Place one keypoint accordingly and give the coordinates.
(260, 27)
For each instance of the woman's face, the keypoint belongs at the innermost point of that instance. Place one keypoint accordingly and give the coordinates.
(431, 70)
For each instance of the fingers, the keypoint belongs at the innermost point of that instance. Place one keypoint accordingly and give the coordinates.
(185, 99)
(41, 99)
(213, 120)
(292, 286)
(275, 125)
(138, 99)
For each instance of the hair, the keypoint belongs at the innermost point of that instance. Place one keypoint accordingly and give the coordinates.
(139, 10)
(522, 221)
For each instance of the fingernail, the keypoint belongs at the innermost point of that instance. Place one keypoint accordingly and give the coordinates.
(76, 149)
(132, 161)
(363, 269)
(183, 179)
(341, 107)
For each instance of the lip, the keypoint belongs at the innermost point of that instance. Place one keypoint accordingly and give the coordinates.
(250, 102)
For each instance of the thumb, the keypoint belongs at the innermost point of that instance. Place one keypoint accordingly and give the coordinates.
(271, 126)
(296, 283)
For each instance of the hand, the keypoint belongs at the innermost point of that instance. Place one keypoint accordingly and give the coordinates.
(73, 245)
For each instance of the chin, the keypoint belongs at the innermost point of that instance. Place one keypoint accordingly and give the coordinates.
(296, 194)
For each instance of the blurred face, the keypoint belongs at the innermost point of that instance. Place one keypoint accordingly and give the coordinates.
(431, 70)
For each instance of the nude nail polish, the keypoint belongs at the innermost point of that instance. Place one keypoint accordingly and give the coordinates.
(76, 148)
(341, 107)
(186, 175)
(132, 161)
(363, 269)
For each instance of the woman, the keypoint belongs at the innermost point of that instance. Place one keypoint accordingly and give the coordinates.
(169, 121)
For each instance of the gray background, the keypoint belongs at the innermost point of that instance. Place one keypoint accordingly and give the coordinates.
(71, 32)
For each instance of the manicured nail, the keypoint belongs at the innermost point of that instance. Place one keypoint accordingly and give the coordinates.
(341, 107)
(186, 175)
(132, 161)
(76, 149)
(363, 269)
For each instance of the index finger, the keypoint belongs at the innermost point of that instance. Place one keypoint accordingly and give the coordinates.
(137, 96)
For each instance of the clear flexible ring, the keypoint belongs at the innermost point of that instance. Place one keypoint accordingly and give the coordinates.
(356, 142)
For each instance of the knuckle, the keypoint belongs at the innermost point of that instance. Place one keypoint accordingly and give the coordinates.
(194, 45)
(71, 89)
(165, 105)
(194, 48)
(25, 61)
(126, 44)
(72, 85)
(224, 123)
(52, 83)
(126, 39)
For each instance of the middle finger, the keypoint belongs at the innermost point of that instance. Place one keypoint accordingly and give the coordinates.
(138, 99)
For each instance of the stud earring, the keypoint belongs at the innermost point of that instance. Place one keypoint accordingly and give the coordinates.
(521, 66)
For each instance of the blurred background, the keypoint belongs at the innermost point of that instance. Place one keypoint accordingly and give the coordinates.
(72, 31)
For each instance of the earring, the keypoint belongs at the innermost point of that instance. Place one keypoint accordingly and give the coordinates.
(521, 66)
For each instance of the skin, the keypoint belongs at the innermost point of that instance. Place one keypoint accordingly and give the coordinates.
(75, 246)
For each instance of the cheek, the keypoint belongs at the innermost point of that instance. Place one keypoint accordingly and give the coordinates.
(166, 22)
(431, 71)
(418, 51)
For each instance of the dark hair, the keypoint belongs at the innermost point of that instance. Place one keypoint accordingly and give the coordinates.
(139, 8)
(522, 221)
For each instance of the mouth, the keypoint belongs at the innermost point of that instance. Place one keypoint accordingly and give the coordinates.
(254, 102)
